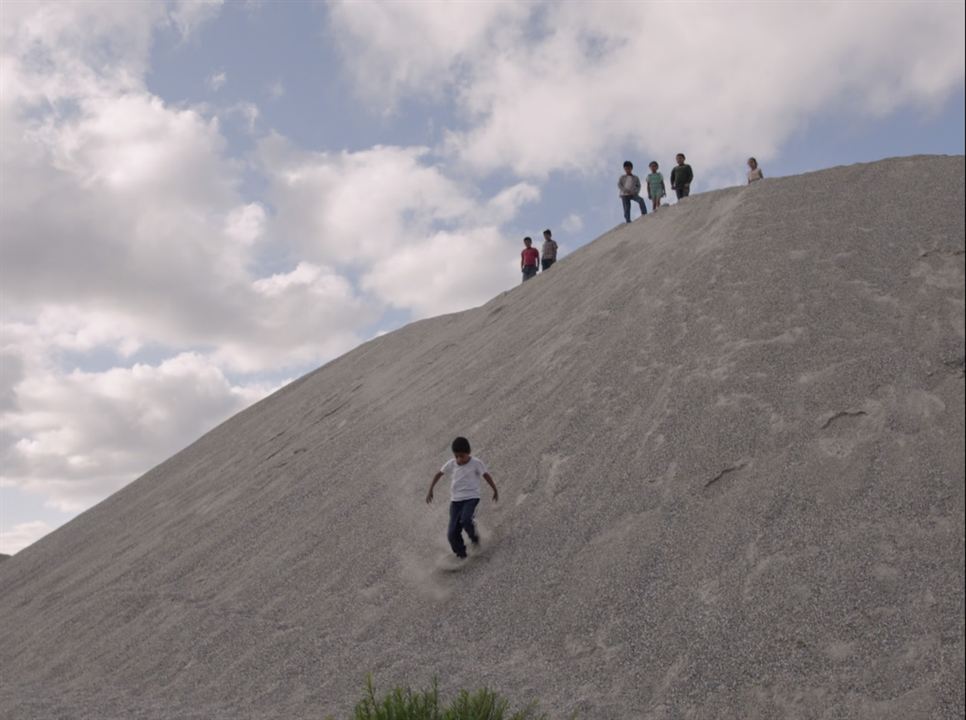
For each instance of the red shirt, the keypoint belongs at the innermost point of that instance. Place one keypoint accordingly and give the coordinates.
(530, 256)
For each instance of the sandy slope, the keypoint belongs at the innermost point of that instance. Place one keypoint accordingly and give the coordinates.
(729, 440)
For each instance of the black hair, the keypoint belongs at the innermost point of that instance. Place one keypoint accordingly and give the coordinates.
(461, 445)
(628, 163)
(547, 232)
(682, 155)
(528, 239)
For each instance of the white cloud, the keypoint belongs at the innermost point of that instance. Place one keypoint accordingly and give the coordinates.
(82, 435)
(507, 203)
(189, 15)
(572, 86)
(351, 208)
(16, 538)
(216, 81)
(276, 90)
(573, 223)
(52, 51)
(446, 272)
(245, 223)
(417, 45)
(123, 226)
(123, 229)
(410, 231)
(247, 111)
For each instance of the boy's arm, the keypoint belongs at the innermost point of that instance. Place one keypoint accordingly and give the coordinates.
(489, 481)
(429, 495)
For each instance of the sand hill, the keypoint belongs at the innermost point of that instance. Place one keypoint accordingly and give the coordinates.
(729, 442)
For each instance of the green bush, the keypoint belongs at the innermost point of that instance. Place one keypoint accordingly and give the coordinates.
(405, 704)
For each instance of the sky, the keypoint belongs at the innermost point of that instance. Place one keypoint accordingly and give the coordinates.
(201, 201)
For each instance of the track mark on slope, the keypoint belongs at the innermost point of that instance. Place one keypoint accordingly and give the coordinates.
(273, 454)
(942, 251)
(726, 471)
(956, 367)
(843, 414)
(331, 412)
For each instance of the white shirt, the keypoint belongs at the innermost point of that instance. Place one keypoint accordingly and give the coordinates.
(465, 484)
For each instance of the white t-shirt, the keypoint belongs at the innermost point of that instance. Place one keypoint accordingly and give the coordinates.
(465, 484)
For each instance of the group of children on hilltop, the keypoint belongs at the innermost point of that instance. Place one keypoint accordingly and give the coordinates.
(629, 185)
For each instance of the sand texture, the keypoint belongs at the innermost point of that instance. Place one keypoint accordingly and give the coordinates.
(729, 443)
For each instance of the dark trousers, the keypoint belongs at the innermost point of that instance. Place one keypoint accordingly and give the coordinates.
(460, 519)
(682, 191)
(547, 262)
(529, 271)
(626, 200)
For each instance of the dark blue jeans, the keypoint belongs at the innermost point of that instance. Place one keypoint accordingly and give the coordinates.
(627, 205)
(460, 519)
(529, 271)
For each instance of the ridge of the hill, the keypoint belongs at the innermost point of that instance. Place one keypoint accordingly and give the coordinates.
(729, 443)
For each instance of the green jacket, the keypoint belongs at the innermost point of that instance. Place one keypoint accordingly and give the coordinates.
(681, 175)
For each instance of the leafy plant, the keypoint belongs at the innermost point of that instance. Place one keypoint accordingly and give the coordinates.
(407, 704)
(399, 704)
(486, 705)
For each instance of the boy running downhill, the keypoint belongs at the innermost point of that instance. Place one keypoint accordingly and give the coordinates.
(466, 472)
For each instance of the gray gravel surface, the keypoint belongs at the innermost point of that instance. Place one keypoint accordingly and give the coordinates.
(729, 444)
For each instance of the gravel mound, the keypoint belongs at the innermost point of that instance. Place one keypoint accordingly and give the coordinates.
(729, 444)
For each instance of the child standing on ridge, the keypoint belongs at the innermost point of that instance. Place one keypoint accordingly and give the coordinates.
(629, 186)
(529, 259)
(466, 472)
(681, 177)
(754, 172)
(548, 256)
(655, 185)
